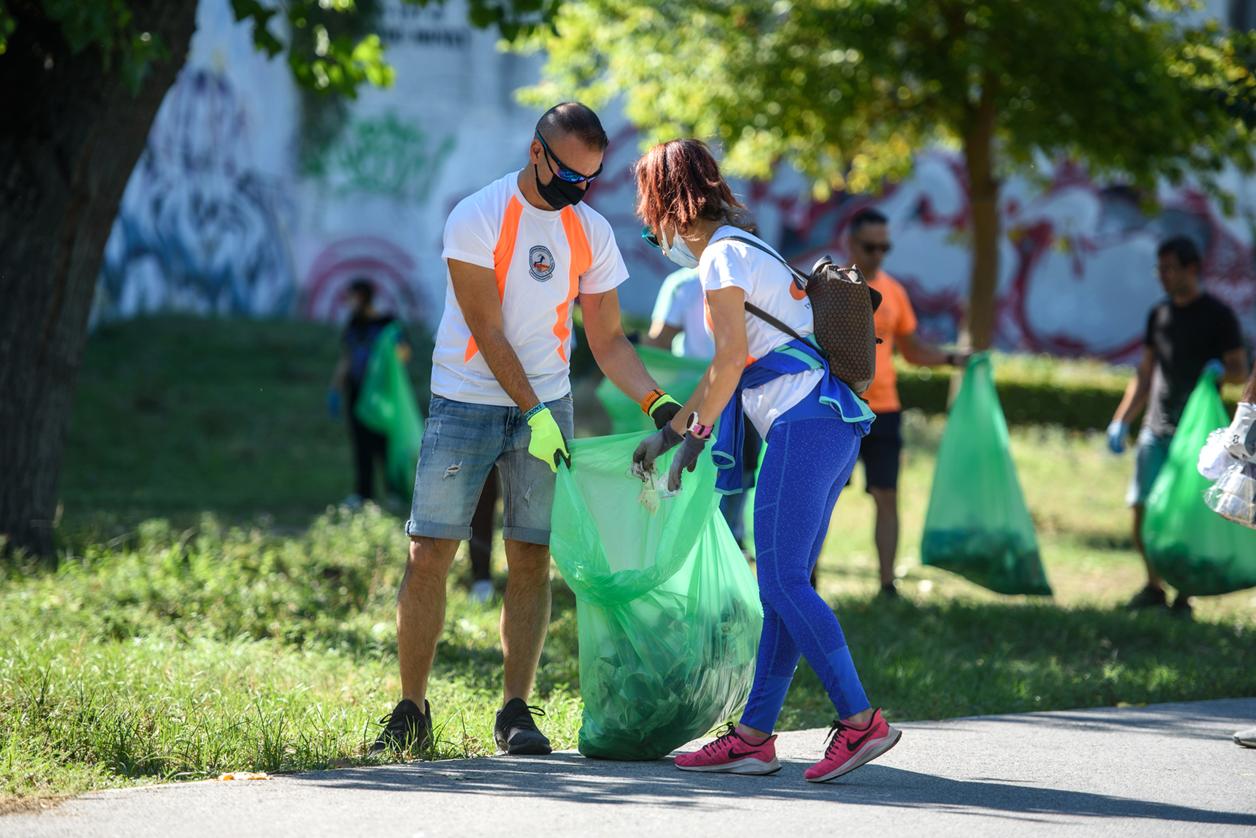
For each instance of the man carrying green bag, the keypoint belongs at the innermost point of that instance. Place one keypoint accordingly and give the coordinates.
(1186, 331)
(978, 525)
(386, 405)
(666, 608)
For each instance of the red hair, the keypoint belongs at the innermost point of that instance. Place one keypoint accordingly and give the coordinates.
(679, 182)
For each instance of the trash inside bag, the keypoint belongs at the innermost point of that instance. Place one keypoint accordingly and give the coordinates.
(677, 376)
(387, 406)
(978, 525)
(1233, 496)
(667, 611)
(1192, 546)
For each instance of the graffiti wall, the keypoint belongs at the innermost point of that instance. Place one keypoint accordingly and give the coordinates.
(1076, 258)
(232, 211)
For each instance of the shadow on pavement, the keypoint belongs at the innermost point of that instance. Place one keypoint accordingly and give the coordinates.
(569, 777)
(1213, 721)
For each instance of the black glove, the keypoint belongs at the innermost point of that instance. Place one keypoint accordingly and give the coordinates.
(652, 447)
(686, 459)
(663, 410)
(665, 413)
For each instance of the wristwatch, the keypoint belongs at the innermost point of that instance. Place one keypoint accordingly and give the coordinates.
(697, 429)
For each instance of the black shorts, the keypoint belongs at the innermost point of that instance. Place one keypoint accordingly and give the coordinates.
(881, 450)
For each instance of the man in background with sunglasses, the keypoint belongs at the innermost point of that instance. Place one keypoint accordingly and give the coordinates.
(520, 252)
(881, 450)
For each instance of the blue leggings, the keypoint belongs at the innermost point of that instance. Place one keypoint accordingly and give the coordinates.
(807, 464)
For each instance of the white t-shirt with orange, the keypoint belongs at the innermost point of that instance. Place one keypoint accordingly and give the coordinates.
(543, 260)
(768, 285)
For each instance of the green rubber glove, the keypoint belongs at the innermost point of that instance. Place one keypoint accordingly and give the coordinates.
(547, 443)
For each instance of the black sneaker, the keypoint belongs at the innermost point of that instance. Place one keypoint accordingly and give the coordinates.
(888, 591)
(406, 728)
(1182, 607)
(516, 732)
(1148, 597)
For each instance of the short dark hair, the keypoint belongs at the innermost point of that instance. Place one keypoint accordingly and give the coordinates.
(1183, 248)
(573, 118)
(362, 285)
(867, 216)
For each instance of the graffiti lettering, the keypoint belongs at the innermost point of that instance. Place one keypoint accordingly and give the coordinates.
(382, 155)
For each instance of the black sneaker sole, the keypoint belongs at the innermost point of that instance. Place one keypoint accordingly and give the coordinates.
(527, 748)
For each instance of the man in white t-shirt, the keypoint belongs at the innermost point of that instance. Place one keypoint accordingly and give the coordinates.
(520, 253)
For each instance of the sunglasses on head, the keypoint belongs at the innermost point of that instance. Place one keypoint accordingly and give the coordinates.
(650, 239)
(876, 248)
(564, 172)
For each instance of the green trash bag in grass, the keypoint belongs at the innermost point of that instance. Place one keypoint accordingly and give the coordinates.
(1193, 548)
(667, 610)
(677, 376)
(387, 406)
(978, 525)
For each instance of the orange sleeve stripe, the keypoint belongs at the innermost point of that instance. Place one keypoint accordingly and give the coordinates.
(503, 253)
(581, 260)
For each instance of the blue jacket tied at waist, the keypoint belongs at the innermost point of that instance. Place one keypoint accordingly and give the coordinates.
(790, 358)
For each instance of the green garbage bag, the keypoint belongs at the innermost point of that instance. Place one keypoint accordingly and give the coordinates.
(667, 610)
(675, 375)
(978, 525)
(387, 406)
(1193, 548)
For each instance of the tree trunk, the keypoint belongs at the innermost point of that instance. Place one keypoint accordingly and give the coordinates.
(72, 132)
(983, 191)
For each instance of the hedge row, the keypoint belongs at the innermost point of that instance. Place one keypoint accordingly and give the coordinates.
(1025, 402)
(1080, 395)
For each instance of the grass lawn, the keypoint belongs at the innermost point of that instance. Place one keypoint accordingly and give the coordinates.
(211, 612)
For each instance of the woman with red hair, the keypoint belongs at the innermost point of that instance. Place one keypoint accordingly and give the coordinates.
(812, 423)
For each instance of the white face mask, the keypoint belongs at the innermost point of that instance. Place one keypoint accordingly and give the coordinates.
(678, 252)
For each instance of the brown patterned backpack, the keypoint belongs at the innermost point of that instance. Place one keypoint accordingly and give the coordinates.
(842, 305)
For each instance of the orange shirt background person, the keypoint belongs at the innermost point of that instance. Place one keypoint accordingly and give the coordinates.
(881, 450)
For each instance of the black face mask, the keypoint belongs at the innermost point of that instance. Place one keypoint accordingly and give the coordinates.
(558, 193)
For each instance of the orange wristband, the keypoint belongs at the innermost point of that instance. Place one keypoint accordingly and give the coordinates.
(647, 404)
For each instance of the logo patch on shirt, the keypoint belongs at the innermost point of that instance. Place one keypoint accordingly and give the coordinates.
(540, 263)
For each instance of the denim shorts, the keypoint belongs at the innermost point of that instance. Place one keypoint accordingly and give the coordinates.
(461, 444)
(1150, 454)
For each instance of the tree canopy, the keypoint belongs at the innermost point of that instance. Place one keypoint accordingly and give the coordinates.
(847, 90)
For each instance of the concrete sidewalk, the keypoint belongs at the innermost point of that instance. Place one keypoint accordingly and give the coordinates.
(1160, 770)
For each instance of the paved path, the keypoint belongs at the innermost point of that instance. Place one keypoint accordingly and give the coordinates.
(1160, 770)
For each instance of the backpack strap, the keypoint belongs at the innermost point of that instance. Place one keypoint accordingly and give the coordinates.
(798, 275)
(799, 279)
(772, 321)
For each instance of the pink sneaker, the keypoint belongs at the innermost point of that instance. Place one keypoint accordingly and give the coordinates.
(851, 747)
(730, 753)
